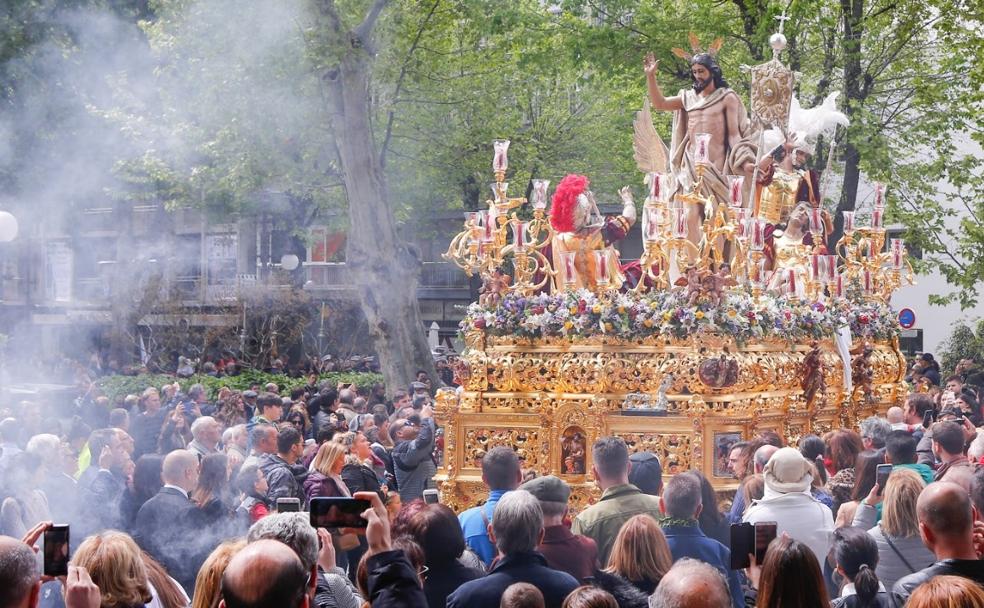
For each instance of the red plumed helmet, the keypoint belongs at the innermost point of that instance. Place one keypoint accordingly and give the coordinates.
(565, 202)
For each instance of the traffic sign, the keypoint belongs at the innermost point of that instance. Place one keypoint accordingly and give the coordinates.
(907, 318)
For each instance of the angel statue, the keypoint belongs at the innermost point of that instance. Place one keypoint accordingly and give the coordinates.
(579, 227)
(709, 106)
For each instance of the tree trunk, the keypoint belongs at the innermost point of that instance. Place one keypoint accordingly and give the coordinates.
(383, 270)
(852, 14)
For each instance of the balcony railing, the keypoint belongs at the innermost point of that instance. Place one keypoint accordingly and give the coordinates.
(336, 276)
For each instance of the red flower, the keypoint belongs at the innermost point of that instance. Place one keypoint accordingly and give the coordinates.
(863, 319)
(581, 306)
(480, 323)
(537, 310)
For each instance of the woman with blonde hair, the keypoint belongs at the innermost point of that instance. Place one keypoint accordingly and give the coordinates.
(640, 554)
(115, 563)
(947, 592)
(900, 547)
(325, 481)
(208, 583)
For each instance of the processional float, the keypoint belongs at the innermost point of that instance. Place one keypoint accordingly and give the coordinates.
(698, 344)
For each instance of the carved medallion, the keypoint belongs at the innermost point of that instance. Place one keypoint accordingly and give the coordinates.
(718, 372)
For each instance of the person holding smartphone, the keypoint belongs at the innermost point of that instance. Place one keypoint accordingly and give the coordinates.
(21, 575)
(787, 501)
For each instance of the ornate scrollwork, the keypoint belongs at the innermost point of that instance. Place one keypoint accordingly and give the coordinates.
(526, 394)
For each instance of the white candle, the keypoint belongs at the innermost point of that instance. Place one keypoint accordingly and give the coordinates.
(877, 218)
(816, 222)
(500, 161)
(757, 234)
(735, 185)
(520, 239)
(702, 143)
(898, 253)
(658, 186)
(815, 266)
(601, 267)
(651, 219)
(488, 225)
(848, 222)
(679, 223)
(740, 217)
(540, 187)
(879, 196)
(830, 265)
(570, 270)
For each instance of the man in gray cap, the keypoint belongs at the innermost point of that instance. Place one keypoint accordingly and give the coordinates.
(572, 553)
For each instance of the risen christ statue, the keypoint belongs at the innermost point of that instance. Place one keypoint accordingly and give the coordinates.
(710, 106)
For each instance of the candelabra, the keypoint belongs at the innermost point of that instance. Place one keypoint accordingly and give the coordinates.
(484, 247)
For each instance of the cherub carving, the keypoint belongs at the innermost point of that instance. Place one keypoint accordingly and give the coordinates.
(715, 283)
(493, 288)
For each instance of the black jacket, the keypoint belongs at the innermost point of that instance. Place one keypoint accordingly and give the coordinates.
(360, 478)
(393, 583)
(966, 568)
(284, 480)
(626, 594)
(169, 527)
(146, 430)
(443, 579)
(515, 568)
(883, 599)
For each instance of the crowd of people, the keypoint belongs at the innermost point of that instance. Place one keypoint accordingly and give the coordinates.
(176, 500)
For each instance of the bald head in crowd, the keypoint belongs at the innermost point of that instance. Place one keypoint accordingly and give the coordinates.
(265, 574)
(762, 456)
(19, 574)
(181, 469)
(945, 512)
(691, 584)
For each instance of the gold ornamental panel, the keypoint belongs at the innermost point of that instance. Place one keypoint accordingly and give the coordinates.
(525, 440)
(552, 399)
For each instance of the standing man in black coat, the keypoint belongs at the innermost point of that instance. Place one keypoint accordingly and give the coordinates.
(169, 526)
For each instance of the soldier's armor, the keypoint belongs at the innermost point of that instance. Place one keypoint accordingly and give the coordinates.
(778, 199)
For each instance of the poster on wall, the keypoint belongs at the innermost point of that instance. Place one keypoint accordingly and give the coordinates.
(58, 271)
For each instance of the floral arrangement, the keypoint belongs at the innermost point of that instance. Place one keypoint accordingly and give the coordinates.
(669, 314)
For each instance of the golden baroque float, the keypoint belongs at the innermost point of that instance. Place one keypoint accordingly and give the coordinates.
(550, 399)
(741, 315)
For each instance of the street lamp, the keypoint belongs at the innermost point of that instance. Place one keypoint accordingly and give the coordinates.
(8, 227)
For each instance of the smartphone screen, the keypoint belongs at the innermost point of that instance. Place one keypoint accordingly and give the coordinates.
(765, 533)
(431, 497)
(288, 505)
(56, 551)
(338, 513)
(882, 472)
(742, 545)
(928, 419)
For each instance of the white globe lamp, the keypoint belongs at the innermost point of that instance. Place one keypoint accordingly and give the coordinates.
(8, 227)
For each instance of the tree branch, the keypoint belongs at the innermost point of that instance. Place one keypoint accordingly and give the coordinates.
(364, 30)
(328, 9)
(399, 82)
